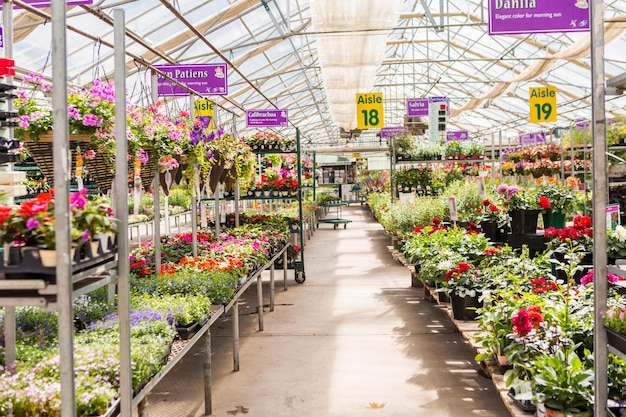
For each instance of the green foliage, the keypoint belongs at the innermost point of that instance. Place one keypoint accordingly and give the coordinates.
(180, 196)
(465, 193)
(563, 381)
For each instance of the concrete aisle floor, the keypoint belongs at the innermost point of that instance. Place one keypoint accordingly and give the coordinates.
(354, 340)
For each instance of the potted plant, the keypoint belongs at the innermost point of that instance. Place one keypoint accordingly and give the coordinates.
(493, 221)
(616, 242)
(464, 284)
(523, 207)
(555, 200)
(563, 382)
(453, 149)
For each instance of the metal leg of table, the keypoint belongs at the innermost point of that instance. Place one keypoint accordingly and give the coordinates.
(285, 270)
(208, 401)
(142, 407)
(236, 336)
(272, 287)
(259, 292)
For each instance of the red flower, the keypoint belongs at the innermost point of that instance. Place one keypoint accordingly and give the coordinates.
(544, 203)
(521, 323)
(581, 222)
(486, 202)
(436, 221)
(493, 208)
(490, 251)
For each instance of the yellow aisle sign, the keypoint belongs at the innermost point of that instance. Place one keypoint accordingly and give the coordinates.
(369, 111)
(542, 104)
(203, 107)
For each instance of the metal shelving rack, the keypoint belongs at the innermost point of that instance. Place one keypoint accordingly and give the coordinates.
(297, 266)
(59, 296)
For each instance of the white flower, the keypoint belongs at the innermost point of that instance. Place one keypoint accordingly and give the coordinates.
(620, 233)
(445, 265)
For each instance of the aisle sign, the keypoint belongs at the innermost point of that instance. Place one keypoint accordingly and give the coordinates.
(369, 111)
(542, 104)
(267, 118)
(205, 108)
(508, 17)
(204, 79)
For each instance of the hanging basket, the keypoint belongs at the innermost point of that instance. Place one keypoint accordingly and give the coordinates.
(216, 174)
(230, 179)
(100, 168)
(42, 153)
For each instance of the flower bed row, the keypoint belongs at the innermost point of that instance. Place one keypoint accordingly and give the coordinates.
(179, 296)
(535, 310)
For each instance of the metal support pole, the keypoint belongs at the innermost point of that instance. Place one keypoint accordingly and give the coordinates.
(285, 270)
(272, 287)
(500, 152)
(392, 164)
(9, 312)
(216, 210)
(157, 203)
(236, 204)
(121, 206)
(208, 402)
(600, 197)
(235, 314)
(9, 334)
(493, 155)
(62, 210)
(259, 293)
(194, 225)
(157, 223)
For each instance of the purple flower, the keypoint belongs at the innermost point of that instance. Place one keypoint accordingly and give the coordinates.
(511, 191)
(91, 120)
(32, 224)
(73, 113)
(502, 189)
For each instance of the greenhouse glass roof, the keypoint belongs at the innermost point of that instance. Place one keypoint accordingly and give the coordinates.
(312, 57)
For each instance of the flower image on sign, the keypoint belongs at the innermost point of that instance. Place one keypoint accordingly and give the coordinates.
(204, 79)
(457, 135)
(267, 118)
(509, 17)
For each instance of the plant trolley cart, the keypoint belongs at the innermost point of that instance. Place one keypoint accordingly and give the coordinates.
(338, 219)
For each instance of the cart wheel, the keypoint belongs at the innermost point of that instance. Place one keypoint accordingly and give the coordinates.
(300, 277)
(335, 226)
(345, 225)
(318, 225)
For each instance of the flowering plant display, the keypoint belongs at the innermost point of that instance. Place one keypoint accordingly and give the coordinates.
(464, 280)
(515, 198)
(32, 223)
(491, 213)
(270, 141)
(152, 131)
(90, 110)
(588, 278)
(616, 242)
(580, 234)
(554, 197)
